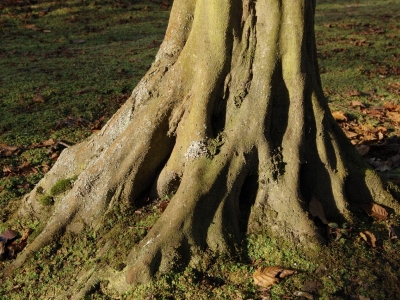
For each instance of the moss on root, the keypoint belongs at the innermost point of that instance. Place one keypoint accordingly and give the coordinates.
(46, 200)
(62, 185)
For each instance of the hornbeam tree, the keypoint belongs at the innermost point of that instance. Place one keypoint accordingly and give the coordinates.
(231, 120)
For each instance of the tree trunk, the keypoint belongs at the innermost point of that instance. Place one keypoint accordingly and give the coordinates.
(232, 121)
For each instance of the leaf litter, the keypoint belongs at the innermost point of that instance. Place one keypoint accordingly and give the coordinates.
(375, 211)
(378, 142)
(269, 276)
(369, 237)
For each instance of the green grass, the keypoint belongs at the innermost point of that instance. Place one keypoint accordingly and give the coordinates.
(82, 57)
(66, 67)
(358, 50)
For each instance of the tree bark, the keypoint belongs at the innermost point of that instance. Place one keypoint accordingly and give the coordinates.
(231, 120)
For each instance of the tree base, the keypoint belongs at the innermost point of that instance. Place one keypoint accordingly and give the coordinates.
(243, 144)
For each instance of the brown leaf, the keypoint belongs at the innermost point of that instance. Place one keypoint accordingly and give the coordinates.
(357, 104)
(79, 41)
(352, 93)
(25, 235)
(378, 108)
(32, 27)
(8, 235)
(163, 205)
(38, 98)
(350, 134)
(369, 136)
(381, 166)
(16, 247)
(380, 136)
(359, 297)
(376, 163)
(303, 294)
(369, 237)
(85, 90)
(269, 276)
(394, 116)
(385, 166)
(362, 149)
(394, 87)
(339, 116)
(6, 150)
(45, 168)
(9, 169)
(392, 233)
(375, 210)
(395, 160)
(390, 106)
(317, 210)
(49, 142)
(382, 129)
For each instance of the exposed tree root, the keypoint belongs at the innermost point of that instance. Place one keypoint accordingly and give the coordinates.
(239, 132)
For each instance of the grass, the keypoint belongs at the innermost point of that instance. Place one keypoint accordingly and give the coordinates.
(66, 68)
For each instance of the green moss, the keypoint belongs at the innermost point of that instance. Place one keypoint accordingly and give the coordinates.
(46, 200)
(62, 186)
(214, 145)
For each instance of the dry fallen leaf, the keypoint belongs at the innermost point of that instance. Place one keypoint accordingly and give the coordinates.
(49, 142)
(362, 149)
(394, 116)
(359, 297)
(394, 87)
(8, 235)
(379, 165)
(38, 98)
(395, 160)
(392, 233)
(317, 210)
(350, 134)
(390, 106)
(9, 248)
(303, 294)
(6, 150)
(352, 93)
(356, 104)
(374, 210)
(163, 205)
(339, 116)
(369, 237)
(384, 166)
(380, 135)
(269, 276)
(16, 247)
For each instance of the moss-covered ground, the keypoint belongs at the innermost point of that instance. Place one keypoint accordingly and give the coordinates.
(66, 67)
